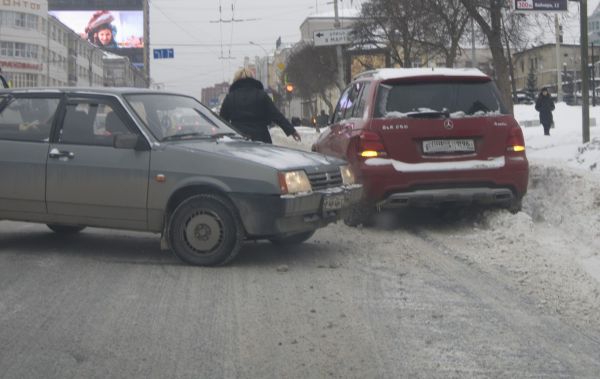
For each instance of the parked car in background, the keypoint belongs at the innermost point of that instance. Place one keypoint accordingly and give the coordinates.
(427, 137)
(72, 158)
(523, 97)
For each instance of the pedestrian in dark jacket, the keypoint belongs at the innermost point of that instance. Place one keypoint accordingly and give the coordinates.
(545, 105)
(250, 109)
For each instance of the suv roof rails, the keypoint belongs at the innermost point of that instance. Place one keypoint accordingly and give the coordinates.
(392, 73)
(366, 74)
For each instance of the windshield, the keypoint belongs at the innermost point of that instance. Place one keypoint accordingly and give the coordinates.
(454, 99)
(170, 117)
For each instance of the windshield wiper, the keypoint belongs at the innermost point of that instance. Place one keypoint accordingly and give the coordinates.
(429, 114)
(226, 134)
(184, 135)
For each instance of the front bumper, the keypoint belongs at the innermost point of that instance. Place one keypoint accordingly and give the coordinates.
(267, 215)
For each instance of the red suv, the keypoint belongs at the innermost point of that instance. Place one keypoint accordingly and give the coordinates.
(427, 137)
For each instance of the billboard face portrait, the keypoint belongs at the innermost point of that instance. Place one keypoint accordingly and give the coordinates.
(106, 29)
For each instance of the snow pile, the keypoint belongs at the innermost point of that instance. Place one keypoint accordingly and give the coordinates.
(501, 220)
(564, 146)
(587, 155)
(308, 134)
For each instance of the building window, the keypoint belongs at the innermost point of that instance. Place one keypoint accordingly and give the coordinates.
(20, 80)
(7, 49)
(19, 20)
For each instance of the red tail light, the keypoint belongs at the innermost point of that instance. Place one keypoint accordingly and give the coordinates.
(370, 145)
(515, 140)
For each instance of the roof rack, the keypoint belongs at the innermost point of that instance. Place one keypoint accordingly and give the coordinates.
(390, 73)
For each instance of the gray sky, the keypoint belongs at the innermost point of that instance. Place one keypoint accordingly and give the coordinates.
(186, 26)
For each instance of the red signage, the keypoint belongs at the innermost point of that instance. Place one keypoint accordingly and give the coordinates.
(541, 5)
(21, 65)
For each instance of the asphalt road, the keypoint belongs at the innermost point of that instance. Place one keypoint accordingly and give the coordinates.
(349, 303)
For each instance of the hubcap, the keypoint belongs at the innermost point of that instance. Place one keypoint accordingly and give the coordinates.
(203, 232)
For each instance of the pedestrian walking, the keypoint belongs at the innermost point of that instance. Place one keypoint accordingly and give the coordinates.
(250, 109)
(323, 119)
(545, 105)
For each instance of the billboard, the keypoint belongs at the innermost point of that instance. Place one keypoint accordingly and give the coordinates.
(127, 33)
(541, 5)
(106, 29)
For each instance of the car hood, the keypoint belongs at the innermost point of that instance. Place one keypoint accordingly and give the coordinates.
(278, 157)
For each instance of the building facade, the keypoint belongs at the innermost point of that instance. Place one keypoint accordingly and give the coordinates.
(37, 50)
(214, 96)
(594, 27)
(541, 60)
(120, 72)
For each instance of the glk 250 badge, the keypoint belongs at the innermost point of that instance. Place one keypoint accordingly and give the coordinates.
(395, 127)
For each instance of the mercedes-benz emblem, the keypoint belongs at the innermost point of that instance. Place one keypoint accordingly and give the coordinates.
(448, 124)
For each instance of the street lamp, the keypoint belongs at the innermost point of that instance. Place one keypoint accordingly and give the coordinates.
(267, 57)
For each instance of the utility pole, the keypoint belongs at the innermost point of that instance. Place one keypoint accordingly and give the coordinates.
(48, 52)
(146, 10)
(585, 92)
(593, 78)
(559, 96)
(473, 56)
(338, 50)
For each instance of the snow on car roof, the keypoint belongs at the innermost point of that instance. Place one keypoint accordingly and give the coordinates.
(398, 73)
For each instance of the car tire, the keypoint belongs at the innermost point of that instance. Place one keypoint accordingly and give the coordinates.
(293, 239)
(65, 229)
(205, 230)
(515, 206)
(360, 214)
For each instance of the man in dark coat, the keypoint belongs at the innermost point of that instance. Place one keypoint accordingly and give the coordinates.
(250, 109)
(545, 105)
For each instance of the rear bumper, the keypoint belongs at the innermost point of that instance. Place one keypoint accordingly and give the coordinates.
(481, 195)
(388, 187)
(264, 216)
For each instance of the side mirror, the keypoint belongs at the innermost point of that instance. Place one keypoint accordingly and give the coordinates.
(128, 141)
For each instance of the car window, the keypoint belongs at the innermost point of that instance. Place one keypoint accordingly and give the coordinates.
(27, 119)
(456, 98)
(170, 116)
(353, 100)
(89, 123)
(342, 105)
(361, 104)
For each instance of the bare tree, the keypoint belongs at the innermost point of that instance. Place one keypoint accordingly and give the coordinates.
(488, 14)
(395, 24)
(446, 27)
(313, 70)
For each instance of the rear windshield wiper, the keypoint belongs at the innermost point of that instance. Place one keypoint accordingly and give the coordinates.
(429, 114)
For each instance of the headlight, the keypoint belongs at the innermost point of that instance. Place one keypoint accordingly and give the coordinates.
(347, 175)
(294, 182)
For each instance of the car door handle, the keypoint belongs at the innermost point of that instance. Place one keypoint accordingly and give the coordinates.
(57, 154)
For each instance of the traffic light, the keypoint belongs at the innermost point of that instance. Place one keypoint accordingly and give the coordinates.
(289, 89)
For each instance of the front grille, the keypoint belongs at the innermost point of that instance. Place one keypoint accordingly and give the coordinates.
(323, 180)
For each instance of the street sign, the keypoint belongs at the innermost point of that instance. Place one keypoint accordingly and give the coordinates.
(332, 37)
(528, 6)
(163, 53)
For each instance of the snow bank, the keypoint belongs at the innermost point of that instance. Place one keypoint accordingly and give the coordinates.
(564, 146)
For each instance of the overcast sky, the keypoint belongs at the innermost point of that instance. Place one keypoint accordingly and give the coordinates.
(188, 26)
(203, 47)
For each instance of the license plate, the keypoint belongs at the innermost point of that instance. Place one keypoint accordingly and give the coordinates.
(334, 202)
(448, 146)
